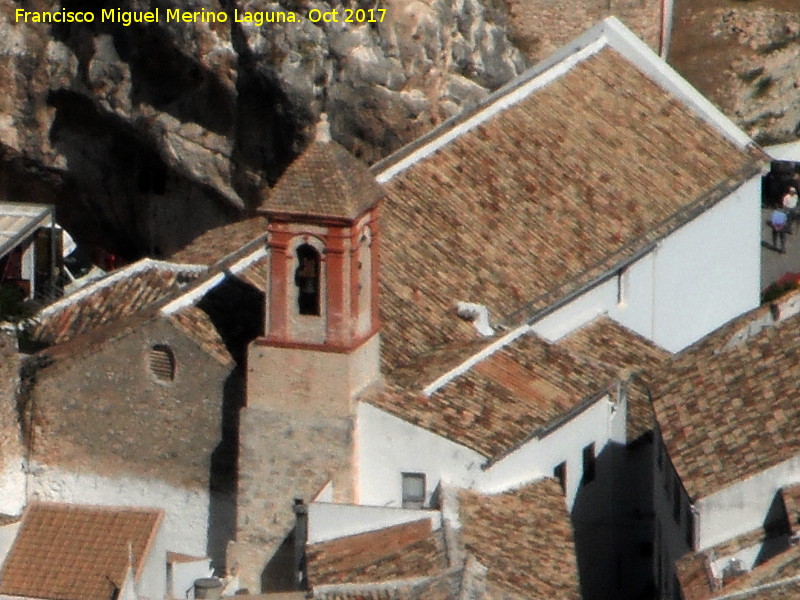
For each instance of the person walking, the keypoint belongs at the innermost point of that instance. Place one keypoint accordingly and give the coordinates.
(778, 223)
(789, 202)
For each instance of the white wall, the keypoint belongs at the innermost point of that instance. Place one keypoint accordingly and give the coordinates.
(709, 271)
(12, 484)
(387, 446)
(601, 422)
(8, 533)
(152, 582)
(185, 573)
(744, 505)
(577, 313)
(698, 278)
(186, 510)
(331, 521)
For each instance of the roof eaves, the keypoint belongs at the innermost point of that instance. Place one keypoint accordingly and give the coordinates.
(619, 259)
(554, 424)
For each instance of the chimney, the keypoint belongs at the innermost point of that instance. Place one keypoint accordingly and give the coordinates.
(300, 539)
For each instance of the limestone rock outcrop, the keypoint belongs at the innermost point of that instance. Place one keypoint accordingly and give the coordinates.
(146, 134)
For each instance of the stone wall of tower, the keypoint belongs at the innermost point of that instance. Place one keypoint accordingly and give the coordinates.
(296, 435)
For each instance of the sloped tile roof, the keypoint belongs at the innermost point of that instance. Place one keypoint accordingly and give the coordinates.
(720, 406)
(524, 538)
(609, 343)
(216, 244)
(504, 398)
(120, 295)
(198, 327)
(446, 586)
(785, 590)
(543, 197)
(697, 580)
(791, 502)
(256, 274)
(399, 552)
(68, 552)
(324, 181)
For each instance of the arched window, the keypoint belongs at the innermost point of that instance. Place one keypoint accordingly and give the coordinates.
(306, 278)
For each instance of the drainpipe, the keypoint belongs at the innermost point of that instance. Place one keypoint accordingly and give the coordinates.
(666, 28)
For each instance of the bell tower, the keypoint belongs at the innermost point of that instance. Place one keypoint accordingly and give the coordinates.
(321, 344)
(320, 349)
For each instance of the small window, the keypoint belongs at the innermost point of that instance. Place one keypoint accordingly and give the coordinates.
(560, 473)
(676, 502)
(306, 278)
(162, 362)
(588, 464)
(622, 284)
(689, 529)
(413, 490)
(660, 454)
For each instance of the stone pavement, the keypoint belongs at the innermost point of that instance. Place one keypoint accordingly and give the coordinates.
(774, 264)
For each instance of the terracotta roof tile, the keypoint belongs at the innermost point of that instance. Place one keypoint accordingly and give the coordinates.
(504, 398)
(198, 327)
(120, 295)
(324, 181)
(694, 572)
(542, 198)
(786, 590)
(256, 274)
(446, 586)
(524, 538)
(67, 552)
(399, 552)
(216, 244)
(720, 405)
(791, 502)
(619, 348)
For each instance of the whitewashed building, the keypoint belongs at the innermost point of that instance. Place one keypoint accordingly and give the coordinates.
(536, 255)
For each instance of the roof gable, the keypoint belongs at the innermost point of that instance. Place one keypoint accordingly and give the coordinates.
(119, 296)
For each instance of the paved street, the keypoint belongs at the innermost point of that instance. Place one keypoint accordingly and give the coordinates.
(774, 264)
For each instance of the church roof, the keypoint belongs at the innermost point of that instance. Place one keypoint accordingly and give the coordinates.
(571, 171)
(325, 181)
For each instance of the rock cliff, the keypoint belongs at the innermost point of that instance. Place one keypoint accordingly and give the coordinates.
(146, 134)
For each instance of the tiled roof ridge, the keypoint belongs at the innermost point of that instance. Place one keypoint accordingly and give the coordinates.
(765, 567)
(472, 577)
(583, 404)
(139, 266)
(735, 595)
(765, 316)
(617, 260)
(218, 352)
(213, 276)
(608, 33)
(388, 584)
(492, 346)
